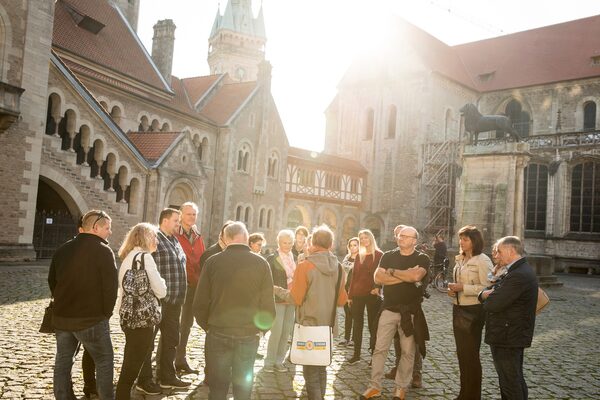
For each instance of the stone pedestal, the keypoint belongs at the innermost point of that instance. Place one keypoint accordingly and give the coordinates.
(544, 269)
(490, 190)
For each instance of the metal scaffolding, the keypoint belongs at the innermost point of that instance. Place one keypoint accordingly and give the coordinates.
(440, 170)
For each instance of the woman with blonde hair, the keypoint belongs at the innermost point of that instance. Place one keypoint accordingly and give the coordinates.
(363, 292)
(472, 271)
(140, 241)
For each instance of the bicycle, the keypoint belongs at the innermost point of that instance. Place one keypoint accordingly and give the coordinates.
(439, 279)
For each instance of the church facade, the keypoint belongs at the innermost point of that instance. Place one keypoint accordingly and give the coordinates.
(398, 112)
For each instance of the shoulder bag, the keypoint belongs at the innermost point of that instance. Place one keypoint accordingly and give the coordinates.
(47, 326)
(311, 345)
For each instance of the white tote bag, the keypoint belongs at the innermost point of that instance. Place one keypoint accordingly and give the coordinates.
(311, 345)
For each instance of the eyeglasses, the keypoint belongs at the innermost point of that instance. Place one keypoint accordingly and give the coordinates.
(407, 236)
(100, 214)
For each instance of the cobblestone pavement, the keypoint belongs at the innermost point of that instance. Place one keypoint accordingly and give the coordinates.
(563, 363)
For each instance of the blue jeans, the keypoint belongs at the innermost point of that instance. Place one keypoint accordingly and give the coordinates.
(96, 341)
(280, 333)
(230, 359)
(509, 366)
(316, 381)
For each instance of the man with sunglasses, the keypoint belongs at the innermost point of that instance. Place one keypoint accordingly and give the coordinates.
(83, 282)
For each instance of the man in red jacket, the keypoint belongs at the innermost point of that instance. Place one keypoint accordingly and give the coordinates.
(190, 239)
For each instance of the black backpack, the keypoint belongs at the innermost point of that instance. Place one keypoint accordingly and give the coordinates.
(140, 308)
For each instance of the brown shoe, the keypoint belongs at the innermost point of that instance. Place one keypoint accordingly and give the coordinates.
(392, 374)
(399, 394)
(417, 382)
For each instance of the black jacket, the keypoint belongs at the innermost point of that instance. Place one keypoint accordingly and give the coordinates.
(235, 293)
(83, 282)
(510, 309)
(278, 272)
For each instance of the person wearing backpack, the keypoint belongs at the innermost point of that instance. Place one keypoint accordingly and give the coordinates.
(140, 287)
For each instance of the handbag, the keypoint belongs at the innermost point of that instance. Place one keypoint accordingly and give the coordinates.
(47, 326)
(542, 301)
(311, 345)
(140, 308)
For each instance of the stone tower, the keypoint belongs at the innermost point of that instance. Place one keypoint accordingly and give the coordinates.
(163, 42)
(130, 9)
(237, 41)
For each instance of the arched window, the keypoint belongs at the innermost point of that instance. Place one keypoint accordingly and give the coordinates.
(585, 198)
(391, 132)
(369, 124)
(589, 116)
(238, 213)
(518, 117)
(261, 218)
(243, 158)
(165, 127)
(247, 215)
(269, 219)
(116, 114)
(155, 126)
(536, 193)
(273, 165)
(144, 124)
(294, 218)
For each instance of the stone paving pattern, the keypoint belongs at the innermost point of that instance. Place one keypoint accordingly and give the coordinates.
(563, 362)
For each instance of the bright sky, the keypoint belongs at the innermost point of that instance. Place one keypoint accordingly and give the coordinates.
(311, 43)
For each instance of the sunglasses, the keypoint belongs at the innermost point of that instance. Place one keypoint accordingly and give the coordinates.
(100, 214)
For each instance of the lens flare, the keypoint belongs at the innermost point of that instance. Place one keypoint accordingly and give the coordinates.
(263, 320)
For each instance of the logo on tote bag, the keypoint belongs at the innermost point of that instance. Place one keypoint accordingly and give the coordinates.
(310, 345)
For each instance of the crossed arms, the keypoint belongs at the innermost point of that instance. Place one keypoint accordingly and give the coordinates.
(393, 276)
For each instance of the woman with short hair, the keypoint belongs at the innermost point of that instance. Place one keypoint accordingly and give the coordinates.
(283, 267)
(471, 275)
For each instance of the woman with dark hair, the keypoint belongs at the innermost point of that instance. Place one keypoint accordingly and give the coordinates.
(348, 265)
(471, 275)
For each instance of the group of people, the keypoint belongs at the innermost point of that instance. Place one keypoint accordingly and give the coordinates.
(236, 295)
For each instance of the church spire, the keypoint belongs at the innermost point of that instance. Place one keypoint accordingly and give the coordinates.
(237, 41)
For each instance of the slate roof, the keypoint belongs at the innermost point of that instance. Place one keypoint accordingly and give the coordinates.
(115, 46)
(538, 56)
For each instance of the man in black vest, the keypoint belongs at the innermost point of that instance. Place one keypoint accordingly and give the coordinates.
(510, 317)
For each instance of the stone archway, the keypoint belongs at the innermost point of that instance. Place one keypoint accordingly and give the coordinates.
(178, 194)
(56, 217)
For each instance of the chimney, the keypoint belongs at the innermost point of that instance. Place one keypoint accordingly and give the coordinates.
(264, 74)
(162, 47)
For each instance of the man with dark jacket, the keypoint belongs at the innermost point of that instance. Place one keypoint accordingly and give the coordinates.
(233, 304)
(510, 317)
(83, 282)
